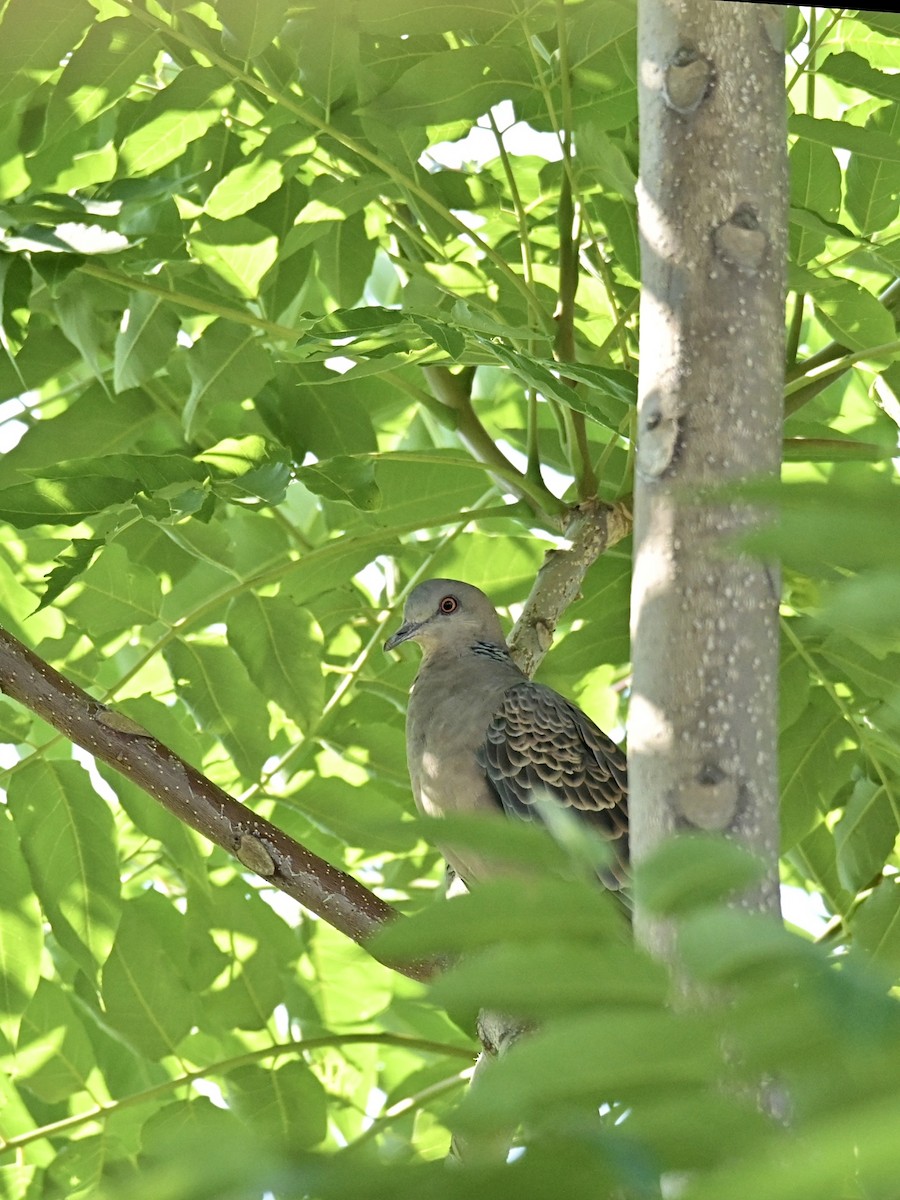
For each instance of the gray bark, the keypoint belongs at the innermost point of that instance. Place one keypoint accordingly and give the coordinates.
(712, 213)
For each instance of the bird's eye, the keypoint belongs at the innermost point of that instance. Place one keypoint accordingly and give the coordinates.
(449, 604)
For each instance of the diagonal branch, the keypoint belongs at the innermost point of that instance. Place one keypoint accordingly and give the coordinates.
(454, 392)
(258, 845)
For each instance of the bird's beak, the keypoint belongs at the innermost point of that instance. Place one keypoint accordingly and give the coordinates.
(403, 634)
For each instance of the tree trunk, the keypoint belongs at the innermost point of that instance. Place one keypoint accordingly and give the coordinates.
(712, 211)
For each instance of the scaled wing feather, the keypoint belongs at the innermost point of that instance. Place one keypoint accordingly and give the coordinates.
(539, 743)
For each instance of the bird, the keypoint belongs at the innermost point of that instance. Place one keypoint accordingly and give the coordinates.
(482, 737)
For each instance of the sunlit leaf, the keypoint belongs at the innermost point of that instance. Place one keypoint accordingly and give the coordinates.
(459, 83)
(68, 838)
(280, 644)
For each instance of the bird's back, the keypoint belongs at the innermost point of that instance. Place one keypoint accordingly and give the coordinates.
(501, 741)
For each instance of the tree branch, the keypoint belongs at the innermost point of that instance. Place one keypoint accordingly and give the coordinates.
(453, 391)
(258, 845)
(593, 527)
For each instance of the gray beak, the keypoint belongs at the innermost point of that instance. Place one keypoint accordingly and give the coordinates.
(403, 634)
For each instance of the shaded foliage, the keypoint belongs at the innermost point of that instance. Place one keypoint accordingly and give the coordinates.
(273, 351)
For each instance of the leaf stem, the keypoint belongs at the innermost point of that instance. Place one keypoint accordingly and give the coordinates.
(451, 390)
(795, 328)
(103, 1112)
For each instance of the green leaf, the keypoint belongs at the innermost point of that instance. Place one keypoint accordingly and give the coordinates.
(287, 1104)
(181, 845)
(172, 119)
(331, 565)
(345, 257)
(239, 251)
(35, 36)
(112, 56)
(793, 686)
(62, 501)
(604, 403)
(15, 723)
(853, 316)
(404, 17)
(865, 835)
(115, 594)
(620, 221)
(456, 85)
(601, 38)
(251, 25)
(721, 946)
(813, 767)
(602, 54)
(260, 958)
(146, 341)
(68, 840)
(15, 294)
(92, 425)
(151, 472)
(868, 143)
(236, 457)
(418, 491)
(79, 309)
(342, 478)
(226, 364)
(327, 50)
(868, 674)
(853, 71)
(144, 999)
(814, 857)
(873, 185)
(590, 1057)
(314, 409)
(548, 979)
(444, 336)
(504, 911)
(847, 522)
(280, 644)
(248, 185)
(876, 925)
(868, 603)
(366, 816)
(21, 935)
(260, 175)
(54, 1055)
(603, 159)
(215, 686)
(815, 186)
(692, 872)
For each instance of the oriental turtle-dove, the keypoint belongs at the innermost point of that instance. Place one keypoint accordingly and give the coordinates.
(481, 736)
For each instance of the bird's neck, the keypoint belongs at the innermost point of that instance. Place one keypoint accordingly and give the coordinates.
(461, 651)
(479, 658)
(499, 652)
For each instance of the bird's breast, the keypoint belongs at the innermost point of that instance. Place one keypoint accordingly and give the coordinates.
(449, 712)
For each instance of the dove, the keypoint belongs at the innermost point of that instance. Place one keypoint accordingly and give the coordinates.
(481, 737)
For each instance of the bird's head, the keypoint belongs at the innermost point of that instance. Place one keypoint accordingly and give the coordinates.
(447, 615)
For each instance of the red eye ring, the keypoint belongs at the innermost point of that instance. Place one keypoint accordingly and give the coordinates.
(448, 605)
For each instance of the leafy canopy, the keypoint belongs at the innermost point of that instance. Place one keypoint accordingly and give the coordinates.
(273, 350)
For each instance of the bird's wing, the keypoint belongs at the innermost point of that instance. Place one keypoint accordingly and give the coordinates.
(539, 743)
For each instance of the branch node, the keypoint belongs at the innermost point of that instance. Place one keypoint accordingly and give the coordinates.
(688, 80)
(740, 242)
(710, 800)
